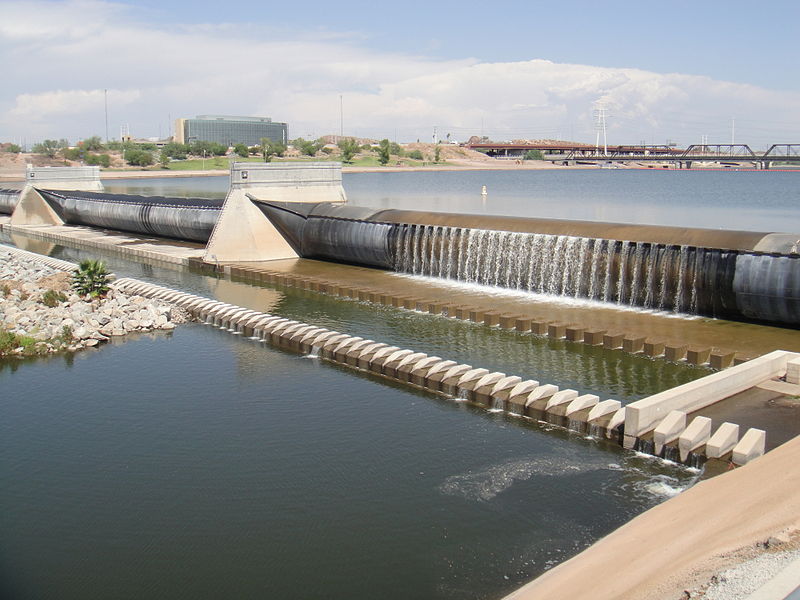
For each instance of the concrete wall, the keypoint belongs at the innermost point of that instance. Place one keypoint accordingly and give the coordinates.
(242, 232)
(86, 179)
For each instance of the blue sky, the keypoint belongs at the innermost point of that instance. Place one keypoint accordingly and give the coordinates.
(666, 71)
(732, 40)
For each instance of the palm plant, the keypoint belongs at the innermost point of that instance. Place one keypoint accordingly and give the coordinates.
(91, 279)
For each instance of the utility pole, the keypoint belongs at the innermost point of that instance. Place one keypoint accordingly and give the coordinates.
(105, 98)
(600, 125)
(733, 131)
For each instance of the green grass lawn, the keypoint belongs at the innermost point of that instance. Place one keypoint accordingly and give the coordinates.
(222, 163)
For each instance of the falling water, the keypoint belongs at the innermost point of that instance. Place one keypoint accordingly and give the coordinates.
(628, 273)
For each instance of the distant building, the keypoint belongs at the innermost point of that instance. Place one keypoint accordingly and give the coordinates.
(228, 130)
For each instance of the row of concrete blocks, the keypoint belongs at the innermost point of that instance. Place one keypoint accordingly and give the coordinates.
(696, 438)
(492, 390)
(53, 263)
(593, 337)
(122, 250)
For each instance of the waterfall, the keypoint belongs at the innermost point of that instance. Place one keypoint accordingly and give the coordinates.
(654, 276)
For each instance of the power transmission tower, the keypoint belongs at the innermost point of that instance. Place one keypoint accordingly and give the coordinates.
(600, 126)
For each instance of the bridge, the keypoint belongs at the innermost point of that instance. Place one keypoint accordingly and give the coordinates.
(574, 153)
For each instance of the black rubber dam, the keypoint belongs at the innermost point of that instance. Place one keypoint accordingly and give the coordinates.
(715, 273)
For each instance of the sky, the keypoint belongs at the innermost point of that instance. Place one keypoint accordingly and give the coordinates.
(664, 71)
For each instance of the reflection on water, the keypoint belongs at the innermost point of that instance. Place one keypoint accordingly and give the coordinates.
(743, 200)
(155, 468)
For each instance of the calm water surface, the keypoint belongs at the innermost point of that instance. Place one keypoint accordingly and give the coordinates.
(748, 200)
(204, 465)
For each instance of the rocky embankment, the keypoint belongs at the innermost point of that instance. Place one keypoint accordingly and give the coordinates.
(40, 314)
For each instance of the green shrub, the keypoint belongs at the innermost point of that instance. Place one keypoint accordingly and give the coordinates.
(91, 279)
(416, 155)
(534, 154)
(66, 334)
(52, 298)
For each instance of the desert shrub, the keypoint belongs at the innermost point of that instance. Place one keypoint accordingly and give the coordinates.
(52, 298)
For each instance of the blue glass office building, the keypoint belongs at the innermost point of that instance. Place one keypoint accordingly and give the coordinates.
(228, 130)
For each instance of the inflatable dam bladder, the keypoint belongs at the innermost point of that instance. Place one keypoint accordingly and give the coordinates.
(725, 274)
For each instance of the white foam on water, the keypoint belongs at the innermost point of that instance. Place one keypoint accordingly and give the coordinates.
(311, 356)
(501, 292)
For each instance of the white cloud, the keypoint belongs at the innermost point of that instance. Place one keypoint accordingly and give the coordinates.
(62, 103)
(58, 57)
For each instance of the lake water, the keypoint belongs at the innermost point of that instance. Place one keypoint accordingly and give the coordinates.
(747, 200)
(204, 465)
(199, 464)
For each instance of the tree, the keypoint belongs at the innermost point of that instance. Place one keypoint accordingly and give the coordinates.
(12, 148)
(104, 160)
(534, 154)
(307, 147)
(349, 148)
(47, 147)
(242, 150)
(395, 149)
(163, 159)
(176, 151)
(416, 155)
(437, 154)
(384, 148)
(92, 144)
(138, 157)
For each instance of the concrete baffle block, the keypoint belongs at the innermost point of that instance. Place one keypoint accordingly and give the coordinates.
(653, 349)
(668, 430)
(421, 368)
(556, 331)
(455, 385)
(431, 377)
(603, 410)
(476, 315)
(581, 404)
(405, 366)
(695, 435)
(491, 319)
(480, 390)
(612, 341)
(518, 396)
(594, 337)
(508, 321)
(436, 377)
(522, 324)
(388, 363)
(537, 400)
(751, 446)
(462, 312)
(675, 352)
(498, 395)
(539, 327)
(698, 356)
(574, 333)
(723, 441)
(721, 360)
(634, 345)
(560, 398)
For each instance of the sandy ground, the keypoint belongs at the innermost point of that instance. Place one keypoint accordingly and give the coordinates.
(683, 543)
